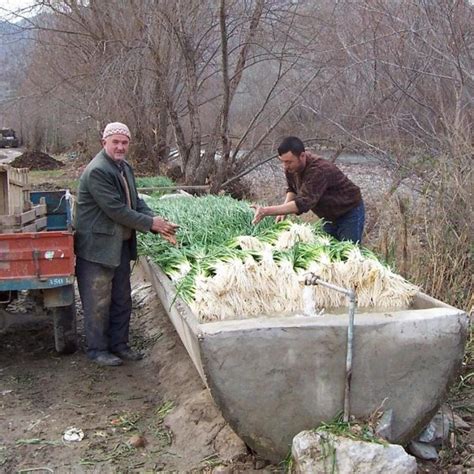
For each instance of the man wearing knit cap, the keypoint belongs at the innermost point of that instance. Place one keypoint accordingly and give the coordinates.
(108, 214)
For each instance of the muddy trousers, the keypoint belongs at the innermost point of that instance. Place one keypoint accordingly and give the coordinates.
(106, 302)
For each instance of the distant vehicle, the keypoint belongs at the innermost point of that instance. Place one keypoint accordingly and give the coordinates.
(8, 138)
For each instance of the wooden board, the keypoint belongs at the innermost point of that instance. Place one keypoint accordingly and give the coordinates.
(14, 189)
(29, 221)
(35, 226)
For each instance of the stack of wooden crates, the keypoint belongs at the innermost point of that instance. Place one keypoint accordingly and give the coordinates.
(17, 213)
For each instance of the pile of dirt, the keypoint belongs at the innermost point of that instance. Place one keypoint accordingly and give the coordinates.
(36, 160)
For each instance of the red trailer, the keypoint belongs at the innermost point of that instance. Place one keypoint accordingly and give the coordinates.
(41, 263)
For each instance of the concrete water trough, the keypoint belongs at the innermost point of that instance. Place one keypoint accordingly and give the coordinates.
(274, 377)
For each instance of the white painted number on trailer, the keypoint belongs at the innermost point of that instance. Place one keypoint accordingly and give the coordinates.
(57, 281)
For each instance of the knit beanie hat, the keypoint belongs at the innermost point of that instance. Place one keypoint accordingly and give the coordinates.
(116, 128)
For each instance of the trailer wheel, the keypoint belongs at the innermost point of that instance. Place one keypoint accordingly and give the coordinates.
(65, 334)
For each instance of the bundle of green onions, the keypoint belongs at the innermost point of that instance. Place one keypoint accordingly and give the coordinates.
(227, 268)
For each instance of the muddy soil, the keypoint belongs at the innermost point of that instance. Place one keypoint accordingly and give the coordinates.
(151, 415)
(36, 160)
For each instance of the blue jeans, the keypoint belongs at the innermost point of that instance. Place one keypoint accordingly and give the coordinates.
(349, 226)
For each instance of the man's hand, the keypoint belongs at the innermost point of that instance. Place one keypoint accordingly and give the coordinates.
(166, 229)
(260, 213)
(279, 218)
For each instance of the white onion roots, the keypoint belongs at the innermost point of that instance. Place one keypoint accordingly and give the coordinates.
(245, 289)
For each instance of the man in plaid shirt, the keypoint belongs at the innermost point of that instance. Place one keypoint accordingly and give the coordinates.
(318, 185)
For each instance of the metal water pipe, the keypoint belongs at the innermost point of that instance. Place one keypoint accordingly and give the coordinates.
(311, 279)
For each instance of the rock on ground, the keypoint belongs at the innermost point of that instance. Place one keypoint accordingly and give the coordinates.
(323, 452)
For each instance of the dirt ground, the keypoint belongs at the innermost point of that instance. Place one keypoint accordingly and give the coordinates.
(154, 415)
(147, 416)
(159, 402)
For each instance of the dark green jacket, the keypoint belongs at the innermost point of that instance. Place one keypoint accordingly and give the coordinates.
(102, 213)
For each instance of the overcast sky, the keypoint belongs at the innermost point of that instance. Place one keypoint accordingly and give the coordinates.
(13, 5)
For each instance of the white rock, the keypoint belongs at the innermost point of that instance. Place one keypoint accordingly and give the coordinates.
(73, 434)
(323, 452)
(428, 435)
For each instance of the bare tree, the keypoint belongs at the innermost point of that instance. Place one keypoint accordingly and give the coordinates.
(221, 80)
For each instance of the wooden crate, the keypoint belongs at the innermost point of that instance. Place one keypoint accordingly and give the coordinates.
(14, 190)
(33, 220)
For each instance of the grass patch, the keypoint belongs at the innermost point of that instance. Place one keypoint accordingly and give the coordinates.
(211, 461)
(287, 463)
(59, 178)
(126, 421)
(154, 181)
(118, 453)
(163, 435)
(428, 234)
(461, 393)
(3, 455)
(164, 410)
(25, 380)
(23, 442)
(358, 431)
(142, 343)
